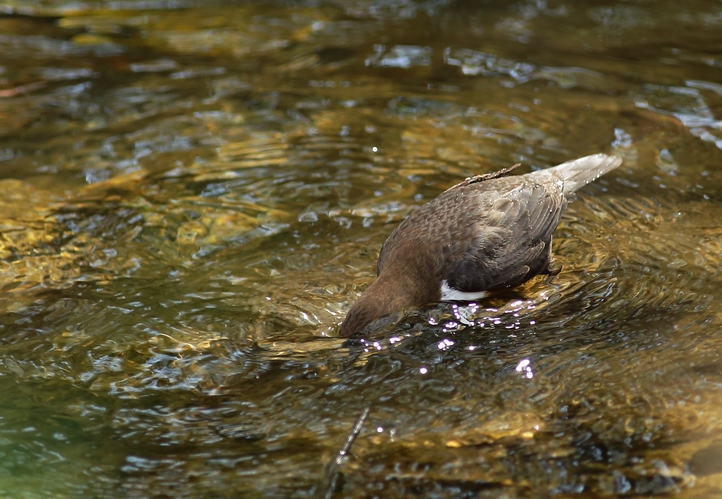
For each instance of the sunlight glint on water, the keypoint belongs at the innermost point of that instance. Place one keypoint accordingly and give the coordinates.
(191, 197)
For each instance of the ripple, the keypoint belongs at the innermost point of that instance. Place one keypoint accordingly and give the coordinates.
(193, 197)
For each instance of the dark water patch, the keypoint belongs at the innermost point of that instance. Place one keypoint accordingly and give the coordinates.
(192, 197)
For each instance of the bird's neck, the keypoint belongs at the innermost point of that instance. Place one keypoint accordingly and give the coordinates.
(391, 292)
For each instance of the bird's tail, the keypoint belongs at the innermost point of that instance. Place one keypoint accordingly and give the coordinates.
(579, 172)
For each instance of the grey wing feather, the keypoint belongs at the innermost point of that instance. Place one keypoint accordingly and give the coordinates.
(513, 244)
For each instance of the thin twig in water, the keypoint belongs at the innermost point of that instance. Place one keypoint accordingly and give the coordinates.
(330, 473)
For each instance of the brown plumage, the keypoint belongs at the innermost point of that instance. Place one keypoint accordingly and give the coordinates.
(487, 233)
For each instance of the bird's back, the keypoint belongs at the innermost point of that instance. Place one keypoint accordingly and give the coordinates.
(484, 235)
(492, 223)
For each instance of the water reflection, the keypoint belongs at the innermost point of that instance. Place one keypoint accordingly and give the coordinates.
(192, 196)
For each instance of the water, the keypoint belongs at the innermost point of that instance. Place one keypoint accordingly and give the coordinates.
(191, 197)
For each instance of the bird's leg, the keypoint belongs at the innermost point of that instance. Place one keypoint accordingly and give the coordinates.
(553, 268)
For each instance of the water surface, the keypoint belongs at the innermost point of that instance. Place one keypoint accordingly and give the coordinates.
(191, 197)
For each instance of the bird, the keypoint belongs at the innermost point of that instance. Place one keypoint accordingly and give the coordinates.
(489, 233)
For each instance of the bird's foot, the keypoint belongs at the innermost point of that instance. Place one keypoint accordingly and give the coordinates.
(553, 269)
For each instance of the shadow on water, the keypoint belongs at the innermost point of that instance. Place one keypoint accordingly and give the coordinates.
(192, 196)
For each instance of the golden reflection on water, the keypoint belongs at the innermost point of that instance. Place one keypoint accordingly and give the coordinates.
(192, 197)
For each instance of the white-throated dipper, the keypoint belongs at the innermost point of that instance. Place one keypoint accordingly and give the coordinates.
(488, 233)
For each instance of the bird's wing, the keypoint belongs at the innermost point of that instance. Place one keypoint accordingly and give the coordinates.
(514, 224)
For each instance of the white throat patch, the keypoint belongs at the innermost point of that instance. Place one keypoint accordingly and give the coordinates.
(450, 294)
